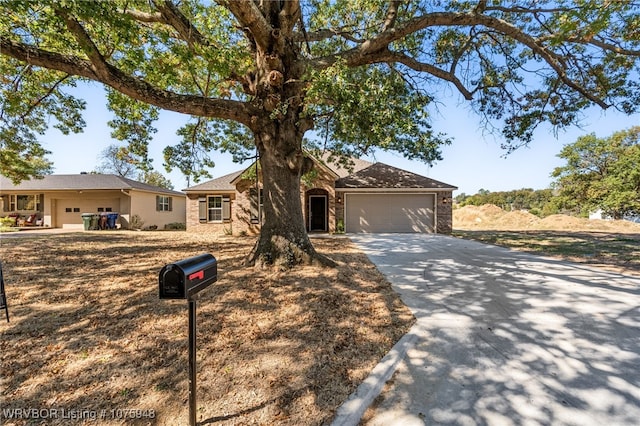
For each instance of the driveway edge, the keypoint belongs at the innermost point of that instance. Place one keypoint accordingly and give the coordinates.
(352, 410)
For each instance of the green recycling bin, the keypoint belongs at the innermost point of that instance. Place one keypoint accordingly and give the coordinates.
(86, 220)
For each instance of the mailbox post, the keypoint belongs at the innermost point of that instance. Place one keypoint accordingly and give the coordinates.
(3, 295)
(184, 280)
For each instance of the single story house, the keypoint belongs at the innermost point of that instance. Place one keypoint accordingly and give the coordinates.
(366, 198)
(58, 201)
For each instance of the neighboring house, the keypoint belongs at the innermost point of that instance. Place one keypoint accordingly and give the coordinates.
(59, 200)
(368, 198)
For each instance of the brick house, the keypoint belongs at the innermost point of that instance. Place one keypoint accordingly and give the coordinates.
(367, 197)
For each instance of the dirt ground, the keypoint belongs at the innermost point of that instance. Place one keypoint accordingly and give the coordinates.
(614, 245)
(492, 217)
(90, 342)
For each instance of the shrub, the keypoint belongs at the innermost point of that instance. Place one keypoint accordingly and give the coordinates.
(136, 222)
(7, 222)
(175, 226)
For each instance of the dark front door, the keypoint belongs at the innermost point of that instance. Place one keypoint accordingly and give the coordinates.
(317, 213)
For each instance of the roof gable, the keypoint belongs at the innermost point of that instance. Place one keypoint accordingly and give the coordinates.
(380, 175)
(343, 168)
(223, 183)
(80, 182)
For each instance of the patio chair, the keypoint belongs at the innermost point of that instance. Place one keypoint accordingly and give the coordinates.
(31, 220)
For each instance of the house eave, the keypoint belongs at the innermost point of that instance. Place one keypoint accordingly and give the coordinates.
(380, 189)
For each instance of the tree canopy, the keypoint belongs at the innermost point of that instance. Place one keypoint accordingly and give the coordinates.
(602, 173)
(260, 74)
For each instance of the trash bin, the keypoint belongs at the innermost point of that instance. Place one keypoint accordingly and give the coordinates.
(111, 220)
(86, 220)
(94, 221)
(102, 220)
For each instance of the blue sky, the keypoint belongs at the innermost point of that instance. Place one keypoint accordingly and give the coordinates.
(474, 161)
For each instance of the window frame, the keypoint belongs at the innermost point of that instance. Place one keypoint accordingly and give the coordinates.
(216, 209)
(164, 203)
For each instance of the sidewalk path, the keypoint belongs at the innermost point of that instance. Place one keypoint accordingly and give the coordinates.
(502, 338)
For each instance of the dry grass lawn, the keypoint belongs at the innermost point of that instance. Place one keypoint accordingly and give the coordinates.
(613, 245)
(88, 332)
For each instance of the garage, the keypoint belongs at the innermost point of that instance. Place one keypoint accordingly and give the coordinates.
(389, 212)
(69, 211)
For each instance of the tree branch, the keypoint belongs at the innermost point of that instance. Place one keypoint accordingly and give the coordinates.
(289, 15)
(46, 95)
(375, 50)
(604, 46)
(324, 35)
(392, 14)
(145, 17)
(133, 87)
(428, 68)
(250, 17)
(98, 63)
(174, 17)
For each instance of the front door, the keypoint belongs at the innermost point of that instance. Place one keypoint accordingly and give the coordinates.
(318, 213)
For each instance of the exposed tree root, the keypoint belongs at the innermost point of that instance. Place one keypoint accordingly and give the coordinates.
(284, 254)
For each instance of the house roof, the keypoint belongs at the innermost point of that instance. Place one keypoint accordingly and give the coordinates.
(343, 170)
(380, 175)
(223, 183)
(363, 174)
(82, 182)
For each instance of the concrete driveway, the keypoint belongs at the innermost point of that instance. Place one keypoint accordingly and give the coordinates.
(502, 338)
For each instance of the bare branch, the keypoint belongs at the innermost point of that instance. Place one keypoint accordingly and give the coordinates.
(428, 68)
(45, 96)
(602, 45)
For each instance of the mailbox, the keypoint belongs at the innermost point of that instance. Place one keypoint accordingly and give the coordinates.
(187, 277)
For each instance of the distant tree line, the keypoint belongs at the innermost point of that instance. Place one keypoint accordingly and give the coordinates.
(541, 202)
(600, 174)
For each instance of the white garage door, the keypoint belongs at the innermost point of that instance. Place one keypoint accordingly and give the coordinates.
(389, 213)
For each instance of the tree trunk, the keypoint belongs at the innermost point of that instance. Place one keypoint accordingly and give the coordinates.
(283, 241)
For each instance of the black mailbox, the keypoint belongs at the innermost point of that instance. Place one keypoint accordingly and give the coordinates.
(187, 277)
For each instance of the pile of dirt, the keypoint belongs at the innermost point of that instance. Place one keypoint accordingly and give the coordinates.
(492, 217)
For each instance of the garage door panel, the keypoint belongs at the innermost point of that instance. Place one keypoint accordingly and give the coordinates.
(69, 211)
(389, 213)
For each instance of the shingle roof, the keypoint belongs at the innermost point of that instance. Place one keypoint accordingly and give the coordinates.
(81, 182)
(343, 170)
(223, 183)
(365, 175)
(380, 175)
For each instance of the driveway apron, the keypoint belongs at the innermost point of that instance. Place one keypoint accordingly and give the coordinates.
(503, 338)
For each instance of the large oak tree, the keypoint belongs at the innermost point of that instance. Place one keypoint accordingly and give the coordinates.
(262, 73)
